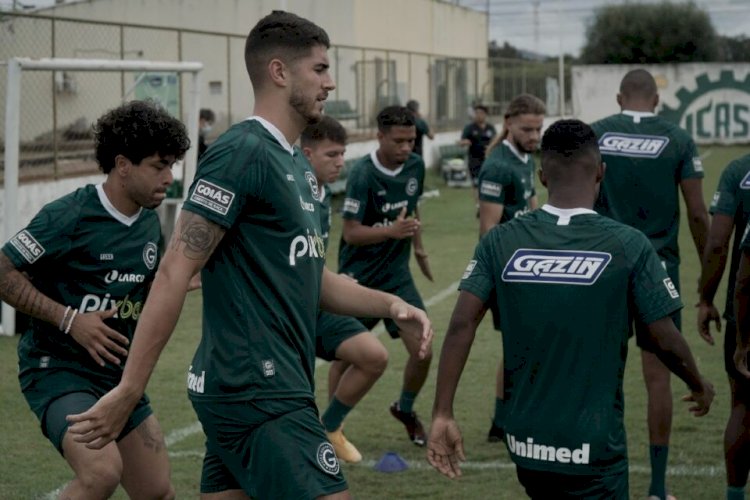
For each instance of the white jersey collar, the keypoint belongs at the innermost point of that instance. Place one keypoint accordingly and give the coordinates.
(523, 157)
(379, 166)
(110, 208)
(565, 214)
(275, 132)
(637, 115)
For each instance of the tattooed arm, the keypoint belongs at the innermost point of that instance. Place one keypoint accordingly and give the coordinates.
(88, 329)
(192, 243)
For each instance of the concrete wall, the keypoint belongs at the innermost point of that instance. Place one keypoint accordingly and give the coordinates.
(710, 100)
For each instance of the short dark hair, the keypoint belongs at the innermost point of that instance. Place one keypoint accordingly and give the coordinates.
(395, 116)
(136, 130)
(412, 105)
(326, 128)
(207, 114)
(567, 142)
(482, 107)
(280, 35)
(638, 83)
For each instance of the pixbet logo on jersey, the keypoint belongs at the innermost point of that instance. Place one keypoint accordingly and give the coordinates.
(632, 145)
(564, 267)
(311, 245)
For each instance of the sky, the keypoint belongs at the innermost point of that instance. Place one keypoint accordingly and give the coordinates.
(544, 26)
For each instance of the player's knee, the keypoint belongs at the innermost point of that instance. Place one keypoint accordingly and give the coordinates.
(100, 478)
(164, 492)
(377, 361)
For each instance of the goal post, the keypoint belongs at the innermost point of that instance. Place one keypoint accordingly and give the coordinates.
(16, 66)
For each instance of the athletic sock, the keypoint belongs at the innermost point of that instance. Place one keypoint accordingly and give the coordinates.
(735, 493)
(335, 414)
(658, 455)
(406, 401)
(499, 419)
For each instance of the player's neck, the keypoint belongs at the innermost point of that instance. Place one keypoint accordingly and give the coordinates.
(289, 123)
(119, 199)
(385, 163)
(570, 197)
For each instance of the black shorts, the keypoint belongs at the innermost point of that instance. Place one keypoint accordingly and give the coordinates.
(541, 485)
(475, 165)
(331, 330)
(406, 291)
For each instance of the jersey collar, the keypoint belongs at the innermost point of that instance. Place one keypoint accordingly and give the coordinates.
(564, 214)
(523, 157)
(384, 170)
(637, 115)
(275, 132)
(110, 208)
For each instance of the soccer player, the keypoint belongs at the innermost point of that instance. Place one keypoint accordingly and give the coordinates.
(506, 191)
(423, 128)
(647, 160)
(730, 210)
(358, 358)
(251, 223)
(477, 135)
(81, 270)
(381, 223)
(564, 369)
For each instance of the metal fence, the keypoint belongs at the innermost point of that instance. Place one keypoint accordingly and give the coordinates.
(58, 107)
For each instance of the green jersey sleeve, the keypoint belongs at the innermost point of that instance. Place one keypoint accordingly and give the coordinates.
(652, 291)
(357, 194)
(691, 166)
(478, 278)
(493, 181)
(727, 196)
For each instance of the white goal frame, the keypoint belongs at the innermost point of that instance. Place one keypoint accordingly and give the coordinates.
(16, 66)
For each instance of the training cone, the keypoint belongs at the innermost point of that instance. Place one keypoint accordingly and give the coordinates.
(391, 462)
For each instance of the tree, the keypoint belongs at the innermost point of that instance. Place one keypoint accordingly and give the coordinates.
(639, 33)
(735, 49)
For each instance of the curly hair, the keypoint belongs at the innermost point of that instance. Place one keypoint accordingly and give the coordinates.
(136, 130)
(394, 116)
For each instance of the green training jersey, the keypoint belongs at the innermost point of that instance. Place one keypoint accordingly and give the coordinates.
(564, 369)
(81, 252)
(647, 157)
(375, 196)
(507, 178)
(261, 285)
(325, 214)
(732, 198)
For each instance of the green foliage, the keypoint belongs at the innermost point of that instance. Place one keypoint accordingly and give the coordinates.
(639, 33)
(735, 49)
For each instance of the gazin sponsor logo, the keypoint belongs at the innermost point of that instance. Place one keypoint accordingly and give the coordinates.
(564, 267)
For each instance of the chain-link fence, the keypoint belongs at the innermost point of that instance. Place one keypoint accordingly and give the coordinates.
(59, 107)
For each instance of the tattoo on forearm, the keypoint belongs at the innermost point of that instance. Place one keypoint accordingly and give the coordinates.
(17, 290)
(200, 237)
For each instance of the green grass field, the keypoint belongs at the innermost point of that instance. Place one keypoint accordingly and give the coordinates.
(31, 468)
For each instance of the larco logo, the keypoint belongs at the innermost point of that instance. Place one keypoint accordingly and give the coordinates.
(311, 245)
(27, 246)
(714, 110)
(632, 145)
(213, 197)
(116, 276)
(564, 267)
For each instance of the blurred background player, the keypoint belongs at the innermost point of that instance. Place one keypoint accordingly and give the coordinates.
(506, 190)
(357, 358)
(730, 211)
(381, 223)
(423, 129)
(81, 269)
(568, 362)
(206, 119)
(647, 159)
(477, 135)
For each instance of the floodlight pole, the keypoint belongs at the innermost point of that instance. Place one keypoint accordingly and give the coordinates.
(561, 60)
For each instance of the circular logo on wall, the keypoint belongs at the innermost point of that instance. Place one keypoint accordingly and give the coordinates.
(327, 459)
(149, 255)
(313, 182)
(411, 186)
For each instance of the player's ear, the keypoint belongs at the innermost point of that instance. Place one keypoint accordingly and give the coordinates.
(278, 72)
(307, 152)
(600, 172)
(619, 100)
(122, 165)
(656, 100)
(542, 177)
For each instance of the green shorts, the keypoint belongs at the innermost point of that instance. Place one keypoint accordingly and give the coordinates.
(53, 394)
(544, 485)
(331, 330)
(268, 448)
(406, 291)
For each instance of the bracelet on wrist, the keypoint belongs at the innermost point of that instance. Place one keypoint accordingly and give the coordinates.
(70, 322)
(65, 316)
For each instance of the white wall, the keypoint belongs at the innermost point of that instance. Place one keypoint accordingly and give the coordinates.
(710, 100)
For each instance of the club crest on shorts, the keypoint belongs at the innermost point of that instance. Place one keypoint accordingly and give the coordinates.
(149, 255)
(411, 186)
(562, 267)
(313, 182)
(327, 459)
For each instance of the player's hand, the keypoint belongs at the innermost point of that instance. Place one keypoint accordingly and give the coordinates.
(740, 360)
(414, 322)
(403, 226)
(702, 399)
(195, 282)
(424, 263)
(100, 341)
(103, 422)
(445, 447)
(706, 314)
